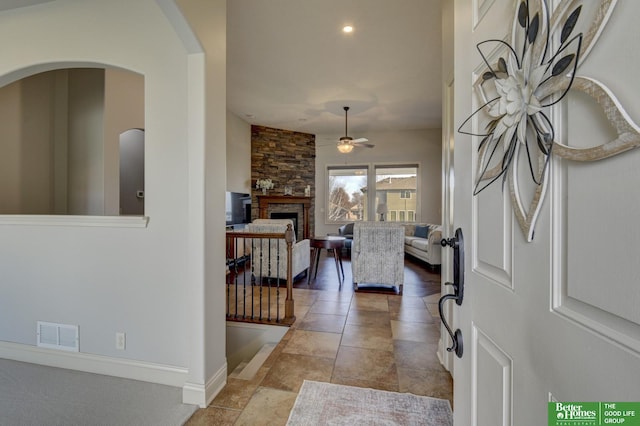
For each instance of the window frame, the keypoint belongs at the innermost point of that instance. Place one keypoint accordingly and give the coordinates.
(366, 169)
(370, 170)
(401, 215)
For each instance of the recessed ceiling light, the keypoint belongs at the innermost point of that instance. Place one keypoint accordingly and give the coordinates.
(347, 29)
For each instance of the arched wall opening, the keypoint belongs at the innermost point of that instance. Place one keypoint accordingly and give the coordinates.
(60, 126)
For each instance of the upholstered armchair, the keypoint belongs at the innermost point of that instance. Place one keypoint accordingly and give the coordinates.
(377, 254)
(269, 256)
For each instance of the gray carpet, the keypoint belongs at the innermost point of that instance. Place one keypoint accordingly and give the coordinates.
(33, 394)
(321, 403)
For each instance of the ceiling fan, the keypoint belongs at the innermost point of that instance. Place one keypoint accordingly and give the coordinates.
(347, 143)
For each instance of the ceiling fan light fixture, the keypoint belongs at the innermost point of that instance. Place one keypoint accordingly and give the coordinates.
(345, 148)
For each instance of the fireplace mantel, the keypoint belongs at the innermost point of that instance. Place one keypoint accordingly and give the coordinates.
(265, 200)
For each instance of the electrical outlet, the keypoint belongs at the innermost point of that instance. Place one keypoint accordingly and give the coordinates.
(121, 341)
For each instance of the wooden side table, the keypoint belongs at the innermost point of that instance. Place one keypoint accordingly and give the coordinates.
(329, 242)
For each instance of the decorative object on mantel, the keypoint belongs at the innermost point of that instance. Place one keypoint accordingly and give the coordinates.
(528, 79)
(264, 184)
(307, 191)
(288, 190)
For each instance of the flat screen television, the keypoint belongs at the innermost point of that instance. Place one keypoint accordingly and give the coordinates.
(238, 208)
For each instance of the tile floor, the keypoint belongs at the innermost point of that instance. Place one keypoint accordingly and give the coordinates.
(379, 341)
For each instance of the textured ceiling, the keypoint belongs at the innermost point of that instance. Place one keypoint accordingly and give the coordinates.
(290, 66)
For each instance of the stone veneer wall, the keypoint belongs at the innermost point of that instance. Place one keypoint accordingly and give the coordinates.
(288, 158)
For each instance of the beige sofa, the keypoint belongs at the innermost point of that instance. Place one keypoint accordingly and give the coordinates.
(426, 249)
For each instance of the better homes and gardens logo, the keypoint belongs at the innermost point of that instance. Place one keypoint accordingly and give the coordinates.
(594, 413)
(569, 413)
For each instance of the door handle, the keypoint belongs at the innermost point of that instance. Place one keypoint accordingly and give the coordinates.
(456, 345)
(457, 243)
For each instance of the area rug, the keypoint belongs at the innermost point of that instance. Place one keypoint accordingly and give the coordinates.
(329, 404)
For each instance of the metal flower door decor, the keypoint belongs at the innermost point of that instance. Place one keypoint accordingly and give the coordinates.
(536, 71)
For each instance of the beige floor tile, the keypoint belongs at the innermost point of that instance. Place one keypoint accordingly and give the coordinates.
(412, 302)
(370, 302)
(368, 318)
(421, 315)
(291, 370)
(330, 307)
(367, 337)
(235, 394)
(304, 296)
(300, 311)
(323, 322)
(341, 296)
(214, 416)
(313, 343)
(433, 309)
(414, 331)
(432, 298)
(426, 383)
(365, 364)
(268, 407)
(417, 355)
(363, 383)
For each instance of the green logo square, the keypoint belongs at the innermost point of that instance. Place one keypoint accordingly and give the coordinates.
(593, 413)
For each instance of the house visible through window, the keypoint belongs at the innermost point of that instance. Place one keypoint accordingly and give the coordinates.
(396, 186)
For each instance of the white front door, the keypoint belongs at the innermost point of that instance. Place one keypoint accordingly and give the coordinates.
(557, 318)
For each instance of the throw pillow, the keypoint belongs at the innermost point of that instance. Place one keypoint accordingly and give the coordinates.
(421, 231)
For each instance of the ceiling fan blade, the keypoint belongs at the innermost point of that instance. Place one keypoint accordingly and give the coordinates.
(360, 140)
(363, 145)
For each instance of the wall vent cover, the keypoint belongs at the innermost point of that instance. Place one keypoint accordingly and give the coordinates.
(58, 336)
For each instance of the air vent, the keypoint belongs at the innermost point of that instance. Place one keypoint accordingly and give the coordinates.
(58, 336)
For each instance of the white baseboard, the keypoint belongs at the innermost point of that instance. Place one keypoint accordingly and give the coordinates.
(202, 395)
(98, 364)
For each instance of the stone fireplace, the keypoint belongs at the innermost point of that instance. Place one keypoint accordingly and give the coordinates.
(288, 159)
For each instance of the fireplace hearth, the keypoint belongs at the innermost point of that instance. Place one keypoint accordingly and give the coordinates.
(287, 215)
(270, 204)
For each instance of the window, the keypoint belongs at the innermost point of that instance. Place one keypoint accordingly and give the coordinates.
(347, 194)
(396, 187)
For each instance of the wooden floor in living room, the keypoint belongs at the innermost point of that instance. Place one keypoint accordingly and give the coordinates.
(366, 339)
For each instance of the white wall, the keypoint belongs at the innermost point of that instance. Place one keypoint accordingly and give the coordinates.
(208, 20)
(411, 146)
(138, 280)
(86, 142)
(238, 154)
(10, 180)
(123, 110)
